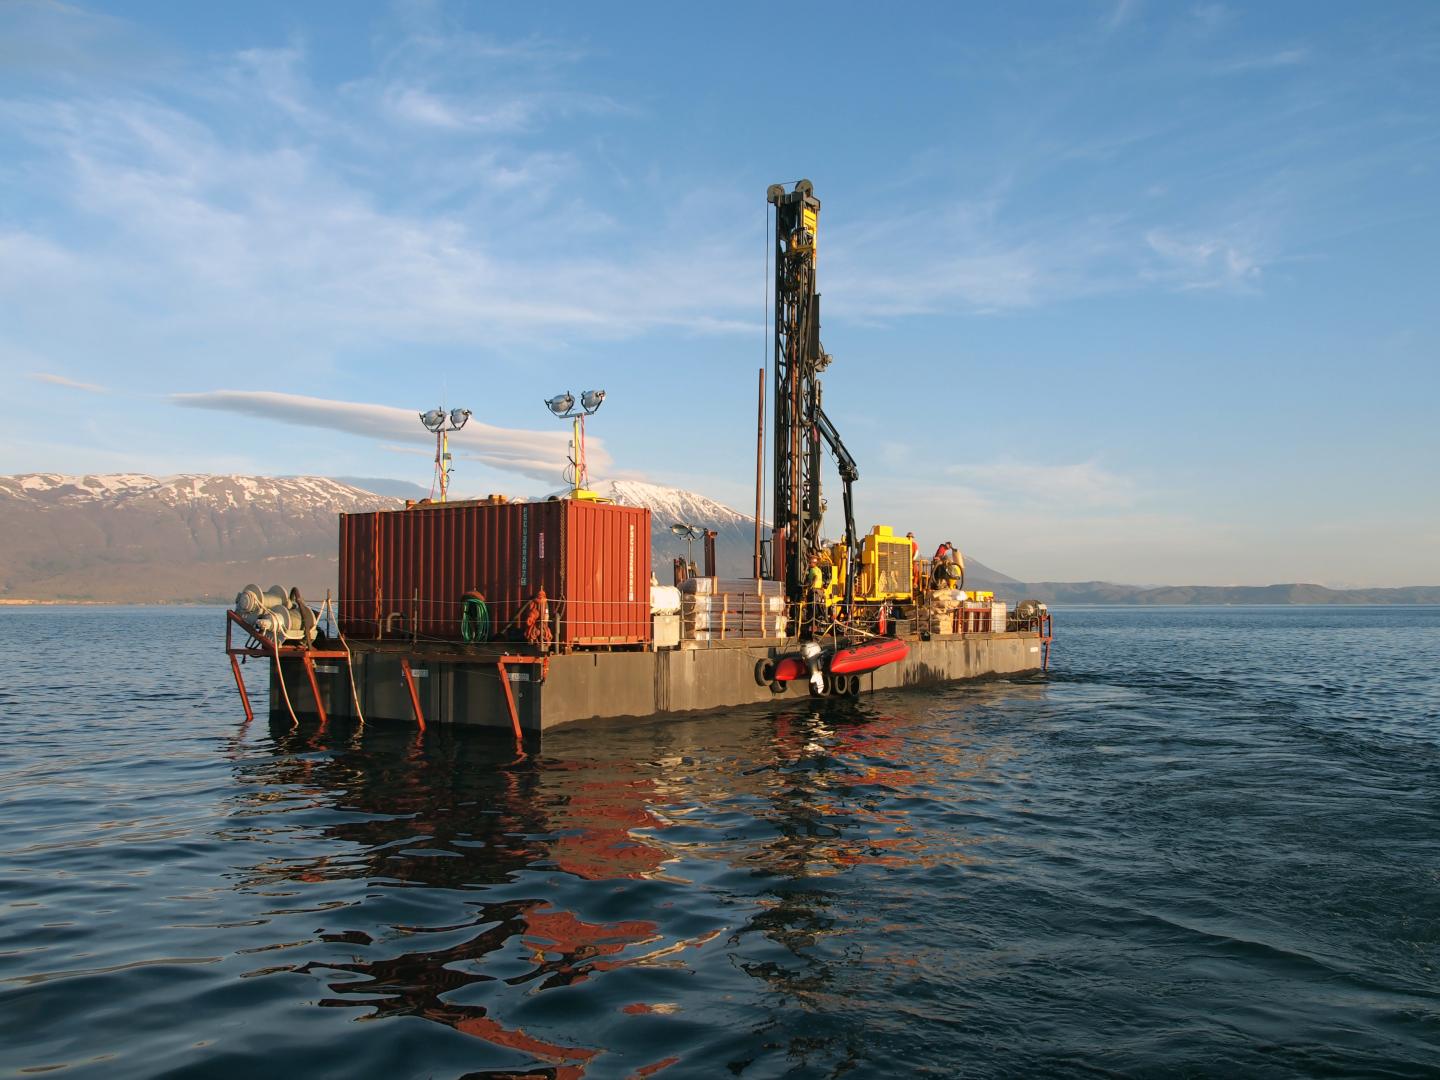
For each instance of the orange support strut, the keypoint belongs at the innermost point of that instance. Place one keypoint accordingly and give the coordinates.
(314, 688)
(240, 685)
(509, 694)
(414, 696)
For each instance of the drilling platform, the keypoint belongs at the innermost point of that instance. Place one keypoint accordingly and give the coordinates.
(521, 616)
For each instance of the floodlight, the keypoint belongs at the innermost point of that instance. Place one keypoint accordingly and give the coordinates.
(563, 406)
(436, 421)
(691, 533)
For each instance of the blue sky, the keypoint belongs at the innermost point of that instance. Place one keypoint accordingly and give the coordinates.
(1131, 291)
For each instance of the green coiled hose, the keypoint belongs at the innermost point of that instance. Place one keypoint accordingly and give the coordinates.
(474, 618)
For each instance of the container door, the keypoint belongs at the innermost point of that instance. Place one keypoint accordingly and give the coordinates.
(359, 582)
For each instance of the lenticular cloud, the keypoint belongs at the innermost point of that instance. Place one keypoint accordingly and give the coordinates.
(536, 454)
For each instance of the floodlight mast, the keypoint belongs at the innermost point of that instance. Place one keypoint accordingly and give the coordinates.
(691, 533)
(441, 423)
(562, 405)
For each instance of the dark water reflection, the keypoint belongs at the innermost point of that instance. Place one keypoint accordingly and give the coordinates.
(1201, 847)
(615, 871)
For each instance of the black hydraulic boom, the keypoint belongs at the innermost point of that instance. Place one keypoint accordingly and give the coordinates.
(849, 473)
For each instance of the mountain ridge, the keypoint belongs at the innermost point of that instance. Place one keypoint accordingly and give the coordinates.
(137, 538)
(193, 537)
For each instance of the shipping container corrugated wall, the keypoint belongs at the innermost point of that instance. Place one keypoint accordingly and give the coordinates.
(405, 572)
(607, 558)
(359, 601)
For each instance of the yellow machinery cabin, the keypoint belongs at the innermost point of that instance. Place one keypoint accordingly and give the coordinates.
(885, 568)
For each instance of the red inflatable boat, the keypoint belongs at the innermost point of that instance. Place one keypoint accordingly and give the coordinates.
(857, 659)
(851, 660)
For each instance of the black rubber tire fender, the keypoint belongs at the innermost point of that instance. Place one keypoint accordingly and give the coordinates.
(764, 671)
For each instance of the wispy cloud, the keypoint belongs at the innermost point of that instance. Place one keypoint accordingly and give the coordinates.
(1203, 262)
(1210, 16)
(24, 256)
(223, 230)
(425, 108)
(73, 384)
(1079, 486)
(436, 77)
(338, 214)
(1281, 58)
(47, 37)
(536, 454)
(973, 260)
(292, 220)
(1120, 13)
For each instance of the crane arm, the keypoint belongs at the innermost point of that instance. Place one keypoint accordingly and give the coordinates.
(849, 473)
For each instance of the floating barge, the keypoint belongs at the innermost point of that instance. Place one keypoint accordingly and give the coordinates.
(523, 616)
(566, 588)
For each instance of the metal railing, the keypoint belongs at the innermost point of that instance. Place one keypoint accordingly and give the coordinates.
(533, 618)
(565, 623)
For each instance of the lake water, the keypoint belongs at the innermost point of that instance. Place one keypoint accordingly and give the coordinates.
(1207, 844)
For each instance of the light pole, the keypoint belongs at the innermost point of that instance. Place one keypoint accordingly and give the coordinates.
(691, 533)
(563, 406)
(441, 423)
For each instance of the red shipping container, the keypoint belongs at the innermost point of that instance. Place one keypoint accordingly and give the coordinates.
(405, 572)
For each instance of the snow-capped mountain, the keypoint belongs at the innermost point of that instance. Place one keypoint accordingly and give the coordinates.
(674, 504)
(289, 493)
(48, 488)
(735, 532)
(132, 537)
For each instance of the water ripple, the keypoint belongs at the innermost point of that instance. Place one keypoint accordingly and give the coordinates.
(1204, 845)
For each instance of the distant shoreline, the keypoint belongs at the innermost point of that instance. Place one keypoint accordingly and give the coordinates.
(112, 603)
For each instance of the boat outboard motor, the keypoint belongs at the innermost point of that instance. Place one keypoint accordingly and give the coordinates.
(810, 653)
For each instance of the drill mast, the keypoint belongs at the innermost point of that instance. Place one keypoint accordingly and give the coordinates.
(801, 426)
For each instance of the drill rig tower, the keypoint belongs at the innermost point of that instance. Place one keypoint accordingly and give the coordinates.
(800, 422)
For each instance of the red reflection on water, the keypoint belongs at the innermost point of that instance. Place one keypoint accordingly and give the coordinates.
(651, 1070)
(440, 815)
(597, 820)
(575, 944)
(563, 1057)
(417, 983)
(564, 948)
